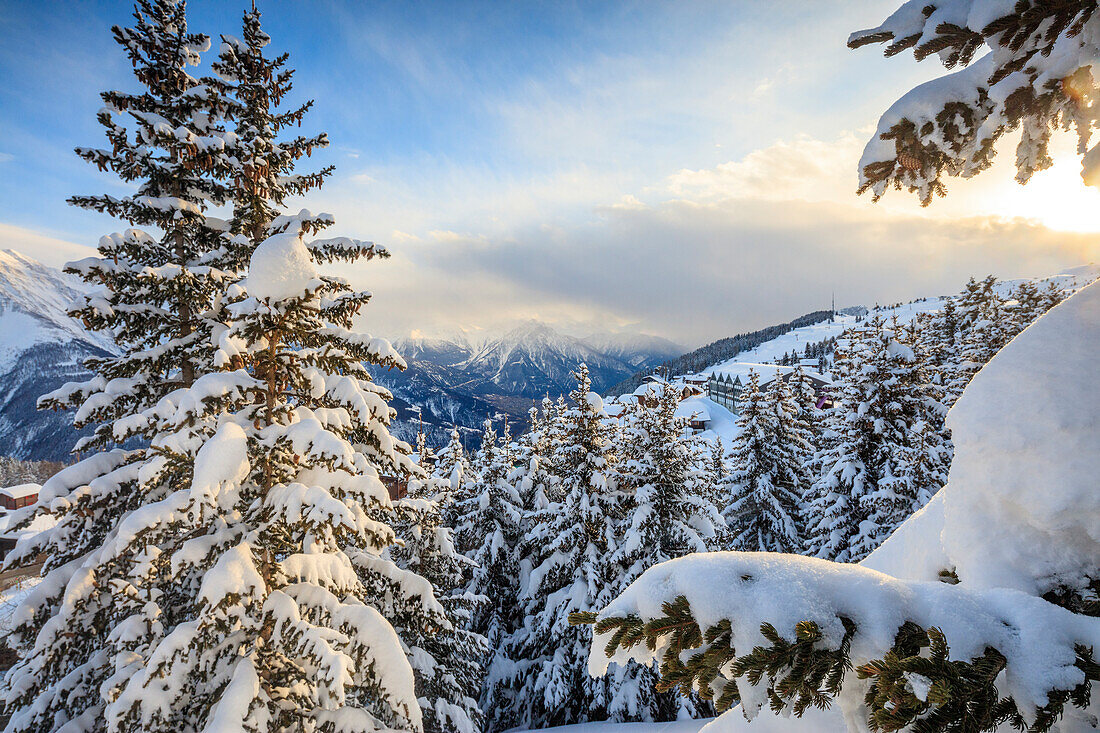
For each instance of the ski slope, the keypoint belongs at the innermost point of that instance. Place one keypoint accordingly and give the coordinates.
(796, 340)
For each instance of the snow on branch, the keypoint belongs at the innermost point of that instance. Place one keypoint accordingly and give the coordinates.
(793, 632)
(1039, 74)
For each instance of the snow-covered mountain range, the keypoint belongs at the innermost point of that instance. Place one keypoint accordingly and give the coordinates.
(41, 348)
(453, 380)
(457, 381)
(449, 381)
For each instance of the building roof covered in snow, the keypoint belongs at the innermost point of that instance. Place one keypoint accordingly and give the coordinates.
(693, 409)
(767, 372)
(20, 491)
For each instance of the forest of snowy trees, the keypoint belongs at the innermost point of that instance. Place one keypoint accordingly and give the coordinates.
(226, 557)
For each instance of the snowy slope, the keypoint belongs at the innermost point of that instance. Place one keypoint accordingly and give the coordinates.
(41, 347)
(797, 339)
(816, 721)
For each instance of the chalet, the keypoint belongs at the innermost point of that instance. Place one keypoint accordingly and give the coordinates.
(696, 381)
(9, 537)
(647, 393)
(17, 497)
(398, 488)
(696, 414)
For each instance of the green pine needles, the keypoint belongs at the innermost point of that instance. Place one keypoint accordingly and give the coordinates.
(916, 685)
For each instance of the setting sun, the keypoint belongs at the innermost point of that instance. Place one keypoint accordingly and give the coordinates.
(1057, 197)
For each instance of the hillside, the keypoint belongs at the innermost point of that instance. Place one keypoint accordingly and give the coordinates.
(41, 348)
(717, 351)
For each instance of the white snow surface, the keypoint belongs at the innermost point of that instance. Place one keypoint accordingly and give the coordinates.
(914, 551)
(1021, 503)
(733, 721)
(680, 726)
(281, 268)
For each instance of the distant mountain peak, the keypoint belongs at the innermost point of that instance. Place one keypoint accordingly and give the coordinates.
(41, 347)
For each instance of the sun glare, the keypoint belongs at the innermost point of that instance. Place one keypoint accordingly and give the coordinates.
(1057, 198)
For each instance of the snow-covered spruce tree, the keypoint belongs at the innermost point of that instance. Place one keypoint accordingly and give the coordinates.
(766, 478)
(153, 292)
(425, 456)
(217, 579)
(718, 468)
(453, 465)
(532, 476)
(935, 338)
(985, 336)
(796, 422)
(488, 526)
(573, 540)
(669, 514)
(250, 590)
(804, 395)
(154, 295)
(870, 481)
(448, 662)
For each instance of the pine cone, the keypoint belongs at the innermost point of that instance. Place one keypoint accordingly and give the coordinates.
(909, 162)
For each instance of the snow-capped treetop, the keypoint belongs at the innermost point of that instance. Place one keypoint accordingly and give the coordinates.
(264, 162)
(281, 268)
(1037, 73)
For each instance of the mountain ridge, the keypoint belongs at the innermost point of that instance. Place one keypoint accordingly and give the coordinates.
(41, 348)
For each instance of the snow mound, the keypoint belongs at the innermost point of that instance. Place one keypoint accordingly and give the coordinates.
(813, 721)
(1021, 506)
(914, 551)
(281, 268)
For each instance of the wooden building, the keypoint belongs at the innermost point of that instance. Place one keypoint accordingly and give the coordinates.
(17, 497)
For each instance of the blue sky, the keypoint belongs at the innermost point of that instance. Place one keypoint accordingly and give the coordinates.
(683, 168)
